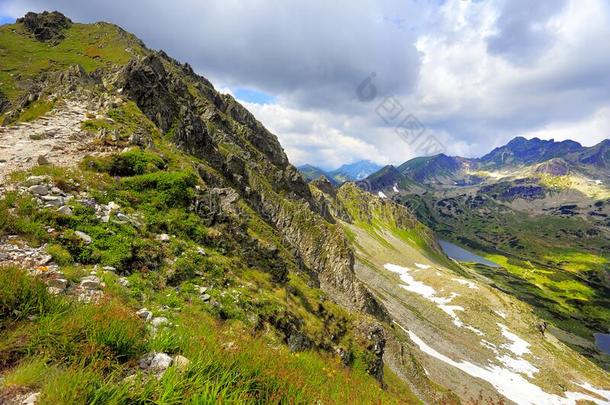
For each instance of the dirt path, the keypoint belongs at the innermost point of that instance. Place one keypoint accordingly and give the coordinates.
(55, 138)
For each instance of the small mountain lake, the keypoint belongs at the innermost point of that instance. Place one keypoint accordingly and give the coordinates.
(463, 255)
(602, 340)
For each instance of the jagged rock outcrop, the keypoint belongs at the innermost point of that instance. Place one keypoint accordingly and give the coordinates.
(46, 26)
(258, 167)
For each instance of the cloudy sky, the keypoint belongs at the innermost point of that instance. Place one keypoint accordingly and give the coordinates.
(384, 80)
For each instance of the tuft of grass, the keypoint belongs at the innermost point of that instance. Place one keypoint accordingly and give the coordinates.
(37, 109)
(30, 373)
(23, 296)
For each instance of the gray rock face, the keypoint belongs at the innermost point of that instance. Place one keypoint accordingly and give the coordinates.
(46, 26)
(145, 82)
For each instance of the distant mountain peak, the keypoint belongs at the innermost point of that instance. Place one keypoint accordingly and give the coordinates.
(348, 172)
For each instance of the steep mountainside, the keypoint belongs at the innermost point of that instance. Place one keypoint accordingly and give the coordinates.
(452, 323)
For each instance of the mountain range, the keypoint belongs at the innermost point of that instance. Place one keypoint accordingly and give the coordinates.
(519, 154)
(347, 172)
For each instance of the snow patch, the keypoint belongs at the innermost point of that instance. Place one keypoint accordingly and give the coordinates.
(468, 283)
(429, 293)
(382, 195)
(519, 365)
(508, 383)
(395, 189)
(501, 314)
(422, 266)
(516, 345)
(411, 284)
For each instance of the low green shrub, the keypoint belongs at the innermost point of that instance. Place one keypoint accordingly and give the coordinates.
(60, 255)
(135, 162)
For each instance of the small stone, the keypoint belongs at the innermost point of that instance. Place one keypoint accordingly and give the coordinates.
(109, 268)
(39, 189)
(181, 363)
(53, 200)
(113, 206)
(163, 237)
(144, 314)
(206, 297)
(158, 362)
(84, 237)
(123, 281)
(59, 283)
(32, 399)
(91, 283)
(65, 210)
(159, 321)
(202, 290)
(43, 161)
(201, 251)
(35, 180)
(122, 217)
(54, 290)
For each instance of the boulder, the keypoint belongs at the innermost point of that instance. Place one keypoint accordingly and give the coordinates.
(42, 161)
(58, 283)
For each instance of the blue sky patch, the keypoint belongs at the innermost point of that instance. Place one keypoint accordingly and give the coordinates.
(6, 19)
(253, 96)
